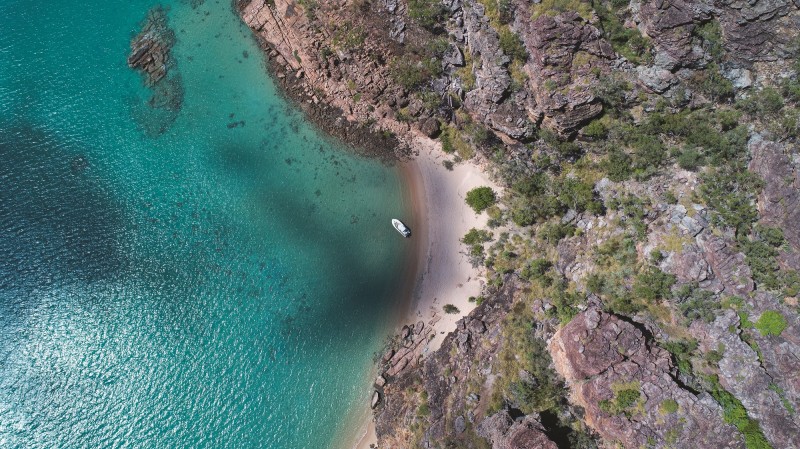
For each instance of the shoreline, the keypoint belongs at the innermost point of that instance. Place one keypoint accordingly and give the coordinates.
(438, 270)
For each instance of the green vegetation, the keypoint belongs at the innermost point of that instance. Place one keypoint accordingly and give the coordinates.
(555, 7)
(668, 406)
(771, 323)
(451, 309)
(475, 236)
(625, 397)
(429, 14)
(538, 391)
(347, 36)
(695, 303)
(628, 42)
(734, 413)
(682, 351)
(480, 198)
(511, 45)
(731, 191)
(653, 284)
(782, 394)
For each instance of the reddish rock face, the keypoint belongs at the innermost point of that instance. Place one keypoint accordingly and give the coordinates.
(600, 355)
(779, 202)
(504, 433)
(567, 57)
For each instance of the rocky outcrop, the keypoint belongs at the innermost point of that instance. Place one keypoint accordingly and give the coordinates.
(567, 55)
(671, 25)
(727, 264)
(742, 374)
(779, 202)
(151, 47)
(505, 433)
(340, 68)
(487, 101)
(150, 54)
(600, 355)
(758, 31)
(455, 411)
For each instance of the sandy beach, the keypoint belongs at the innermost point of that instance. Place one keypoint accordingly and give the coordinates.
(439, 271)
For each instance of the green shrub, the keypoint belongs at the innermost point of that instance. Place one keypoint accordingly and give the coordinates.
(682, 351)
(711, 82)
(771, 322)
(579, 196)
(480, 198)
(668, 406)
(429, 14)
(476, 236)
(552, 233)
(618, 166)
(731, 191)
(734, 413)
(711, 35)
(690, 159)
(696, 303)
(595, 129)
(653, 284)
(762, 260)
(628, 42)
(451, 309)
(622, 401)
(424, 410)
(537, 270)
(512, 45)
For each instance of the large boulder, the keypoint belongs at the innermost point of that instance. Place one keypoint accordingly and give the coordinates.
(567, 55)
(601, 354)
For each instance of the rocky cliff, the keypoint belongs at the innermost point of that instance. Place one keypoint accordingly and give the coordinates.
(643, 267)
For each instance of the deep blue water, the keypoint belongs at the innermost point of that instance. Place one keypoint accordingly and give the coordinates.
(213, 286)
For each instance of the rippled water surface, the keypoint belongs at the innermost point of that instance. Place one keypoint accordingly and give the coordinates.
(216, 286)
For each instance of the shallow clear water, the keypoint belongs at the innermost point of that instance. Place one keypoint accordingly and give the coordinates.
(213, 286)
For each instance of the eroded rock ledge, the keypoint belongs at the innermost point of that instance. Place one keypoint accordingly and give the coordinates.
(600, 355)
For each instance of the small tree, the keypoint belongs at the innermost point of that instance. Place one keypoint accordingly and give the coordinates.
(481, 198)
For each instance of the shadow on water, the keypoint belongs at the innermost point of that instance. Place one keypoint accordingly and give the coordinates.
(357, 285)
(56, 221)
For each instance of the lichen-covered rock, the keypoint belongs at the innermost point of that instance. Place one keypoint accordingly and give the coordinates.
(566, 56)
(758, 30)
(505, 433)
(779, 202)
(742, 374)
(670, 25)
(600, 355)
(727, 264)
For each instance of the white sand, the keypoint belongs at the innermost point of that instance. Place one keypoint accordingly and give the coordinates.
(442, 273)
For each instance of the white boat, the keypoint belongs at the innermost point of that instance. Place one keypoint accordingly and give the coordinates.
(401, 228)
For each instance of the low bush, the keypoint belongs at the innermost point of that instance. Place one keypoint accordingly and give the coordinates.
(668, 406)
(451, 309)
(480, 198)
(771, 322)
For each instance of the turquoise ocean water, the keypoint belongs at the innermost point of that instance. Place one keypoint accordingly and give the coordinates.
(211, 287)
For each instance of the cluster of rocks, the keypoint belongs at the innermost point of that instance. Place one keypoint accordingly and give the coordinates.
(506, 433)
(150, 54)
(598, 351)
(151, 47)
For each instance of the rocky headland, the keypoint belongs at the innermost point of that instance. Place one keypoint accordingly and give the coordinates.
(642, 263)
